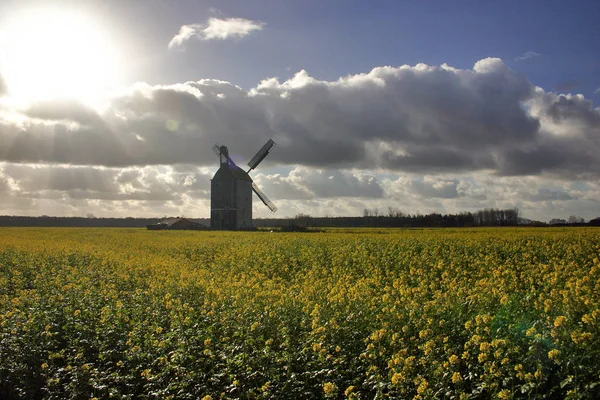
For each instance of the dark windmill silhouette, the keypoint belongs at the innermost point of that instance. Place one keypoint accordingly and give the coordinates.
(231, 191)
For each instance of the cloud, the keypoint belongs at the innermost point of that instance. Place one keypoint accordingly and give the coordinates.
(230, 28)
(2, 86)
(160, 183)
(419, 138)
(419, 119)
(64, 110)
(37, 189)
(308, 183)
(435, 187)
(216, 28)
(186, 32)
(527, 55)
(546, 194)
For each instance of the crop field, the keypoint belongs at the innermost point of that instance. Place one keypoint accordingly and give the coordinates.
(361, 314)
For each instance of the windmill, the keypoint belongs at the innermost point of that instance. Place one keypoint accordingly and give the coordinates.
(231, 191)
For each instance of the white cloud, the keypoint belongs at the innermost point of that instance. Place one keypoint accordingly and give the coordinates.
(186, 32)
(216, 28)
(527, 55)
(230, 27)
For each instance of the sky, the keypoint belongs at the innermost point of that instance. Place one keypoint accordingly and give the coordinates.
(111, 108)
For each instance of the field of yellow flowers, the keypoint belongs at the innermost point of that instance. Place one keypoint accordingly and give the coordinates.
(456, 314)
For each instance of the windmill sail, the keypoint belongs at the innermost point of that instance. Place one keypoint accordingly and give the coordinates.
(264, 198)
(223, 153)
(262, 153)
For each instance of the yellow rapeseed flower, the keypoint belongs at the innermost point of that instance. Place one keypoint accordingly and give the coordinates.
(330, 389)
(553, 354)
(397, 378)
(456, 377)
(559, 321)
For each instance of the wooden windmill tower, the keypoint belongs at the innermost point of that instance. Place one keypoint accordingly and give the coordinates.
(231, 191)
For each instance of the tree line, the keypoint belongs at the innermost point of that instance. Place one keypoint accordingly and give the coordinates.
(395, 218)
(89, 221)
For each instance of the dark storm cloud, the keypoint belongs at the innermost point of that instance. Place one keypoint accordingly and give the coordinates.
(420, 119)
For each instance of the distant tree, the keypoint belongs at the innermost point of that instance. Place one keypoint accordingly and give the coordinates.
(90, 215)
(594, 222)
(465, 219)
(574, 219)
(511, 216)
(395, 212)
(558, 221)
(302, 220)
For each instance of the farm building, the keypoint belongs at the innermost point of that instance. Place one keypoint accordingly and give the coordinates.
(176, 224)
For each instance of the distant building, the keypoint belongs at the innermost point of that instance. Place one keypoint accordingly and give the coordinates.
(176, 224)
(231, 191)
(230, 198)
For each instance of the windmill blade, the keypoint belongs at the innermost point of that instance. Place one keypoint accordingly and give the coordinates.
(264, 198)
(217, 149)
(262, 153)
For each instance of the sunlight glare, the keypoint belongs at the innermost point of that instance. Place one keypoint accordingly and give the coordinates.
(50, 53)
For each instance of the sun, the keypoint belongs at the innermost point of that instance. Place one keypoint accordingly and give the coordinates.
(55, 54)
